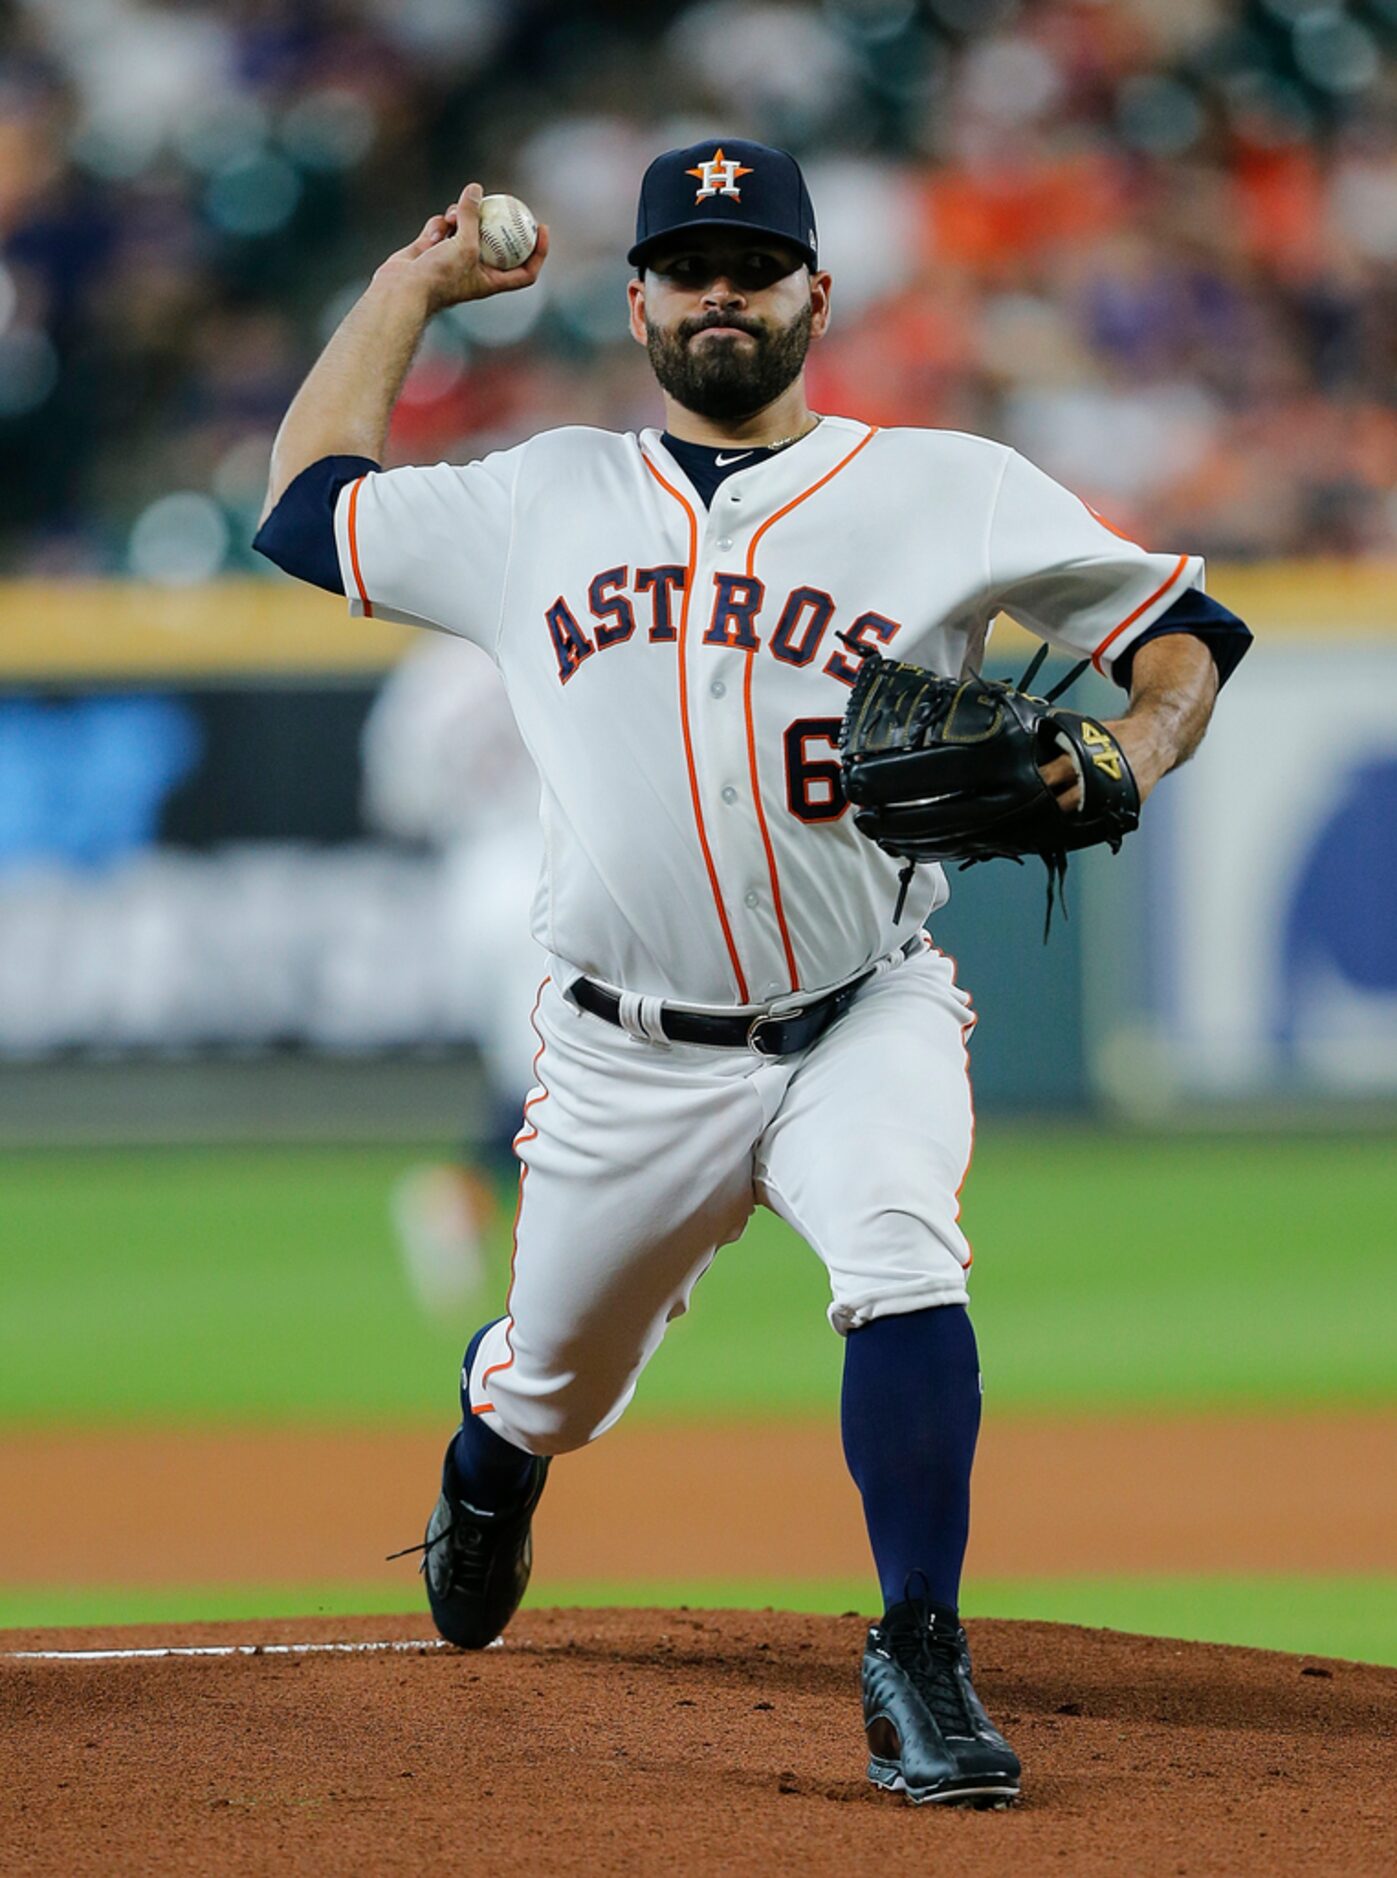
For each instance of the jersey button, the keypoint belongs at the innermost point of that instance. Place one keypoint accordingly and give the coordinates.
(729, 794)
(717, 689)
(734, 496)
(725, 544)
(753, 899)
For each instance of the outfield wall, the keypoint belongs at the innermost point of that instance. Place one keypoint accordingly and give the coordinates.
(186, 863)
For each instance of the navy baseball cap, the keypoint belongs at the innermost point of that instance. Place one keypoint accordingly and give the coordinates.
(724, 183)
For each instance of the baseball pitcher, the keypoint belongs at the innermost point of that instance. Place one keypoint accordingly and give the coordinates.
(740, 1003)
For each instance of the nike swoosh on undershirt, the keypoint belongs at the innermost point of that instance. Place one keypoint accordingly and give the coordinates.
(723, 461)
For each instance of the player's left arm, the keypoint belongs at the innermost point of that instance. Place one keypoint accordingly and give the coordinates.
(1142, 618)
(1173, 688)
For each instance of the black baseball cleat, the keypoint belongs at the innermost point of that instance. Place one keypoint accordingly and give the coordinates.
(928, 1734)
(476, 1562)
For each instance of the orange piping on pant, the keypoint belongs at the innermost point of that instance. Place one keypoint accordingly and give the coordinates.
(965, 1031)
(529, 1132)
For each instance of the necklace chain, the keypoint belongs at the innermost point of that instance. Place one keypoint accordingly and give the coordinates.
(794, 437)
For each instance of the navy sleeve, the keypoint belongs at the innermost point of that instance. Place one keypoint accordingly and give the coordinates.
(299, 534)
(1225, 636)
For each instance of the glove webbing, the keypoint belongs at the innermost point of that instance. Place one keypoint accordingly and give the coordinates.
(1056, 864)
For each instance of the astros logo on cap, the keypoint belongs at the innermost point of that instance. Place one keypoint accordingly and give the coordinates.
(718, 176)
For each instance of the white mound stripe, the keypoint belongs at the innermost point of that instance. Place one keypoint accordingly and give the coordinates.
(224, 1649)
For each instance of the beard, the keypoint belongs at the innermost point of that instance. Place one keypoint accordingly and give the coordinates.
(721, 379)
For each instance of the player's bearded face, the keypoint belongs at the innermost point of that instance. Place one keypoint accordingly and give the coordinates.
(727, 376)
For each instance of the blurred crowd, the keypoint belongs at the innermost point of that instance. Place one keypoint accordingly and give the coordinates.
(1152, 243)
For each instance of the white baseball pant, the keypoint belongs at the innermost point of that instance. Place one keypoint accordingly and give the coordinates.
(639, 1160)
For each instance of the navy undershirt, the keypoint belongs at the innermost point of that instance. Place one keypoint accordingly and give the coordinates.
(708, 468)
(299, 534)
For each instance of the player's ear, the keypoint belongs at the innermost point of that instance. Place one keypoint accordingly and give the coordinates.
(819, 303)
(635, 294)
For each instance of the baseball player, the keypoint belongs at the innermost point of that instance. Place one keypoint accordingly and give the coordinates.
(443, 764)
(739, 1005)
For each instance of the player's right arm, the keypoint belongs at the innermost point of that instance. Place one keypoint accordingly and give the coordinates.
(427, 546)
(344, 406)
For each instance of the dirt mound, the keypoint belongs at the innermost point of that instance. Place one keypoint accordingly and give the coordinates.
(675, 1742)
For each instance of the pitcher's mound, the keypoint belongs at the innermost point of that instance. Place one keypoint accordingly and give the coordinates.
(674, 1743)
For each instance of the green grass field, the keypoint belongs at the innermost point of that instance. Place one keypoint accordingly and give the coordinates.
(233, 1285)
(1112, 1273)
(1353, 1617)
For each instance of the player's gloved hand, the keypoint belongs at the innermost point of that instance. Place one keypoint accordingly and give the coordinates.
(1149, 757)
(950, 769)
(444, 261)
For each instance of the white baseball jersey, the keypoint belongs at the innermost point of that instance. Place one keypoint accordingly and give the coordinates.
(678, 673)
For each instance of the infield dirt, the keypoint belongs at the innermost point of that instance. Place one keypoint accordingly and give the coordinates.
(771, 1501)
(678, 1742)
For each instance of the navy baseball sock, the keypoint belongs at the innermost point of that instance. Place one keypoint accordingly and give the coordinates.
(910, 1414)
(488, 1471)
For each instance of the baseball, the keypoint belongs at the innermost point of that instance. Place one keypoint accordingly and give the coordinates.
(508, 231)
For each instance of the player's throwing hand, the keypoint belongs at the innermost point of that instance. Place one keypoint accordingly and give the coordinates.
(445, 259)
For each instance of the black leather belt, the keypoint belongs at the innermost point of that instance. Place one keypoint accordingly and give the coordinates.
(779, 1035)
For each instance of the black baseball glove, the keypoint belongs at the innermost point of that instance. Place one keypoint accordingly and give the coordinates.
(946, 769)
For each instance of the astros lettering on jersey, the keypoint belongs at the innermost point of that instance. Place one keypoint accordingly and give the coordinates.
(704, 656)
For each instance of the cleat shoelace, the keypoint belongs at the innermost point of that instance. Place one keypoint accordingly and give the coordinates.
(424, 1548)
(467, 1553)
(930, 1663)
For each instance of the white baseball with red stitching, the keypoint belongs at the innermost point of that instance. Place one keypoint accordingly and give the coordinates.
(508, 231)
